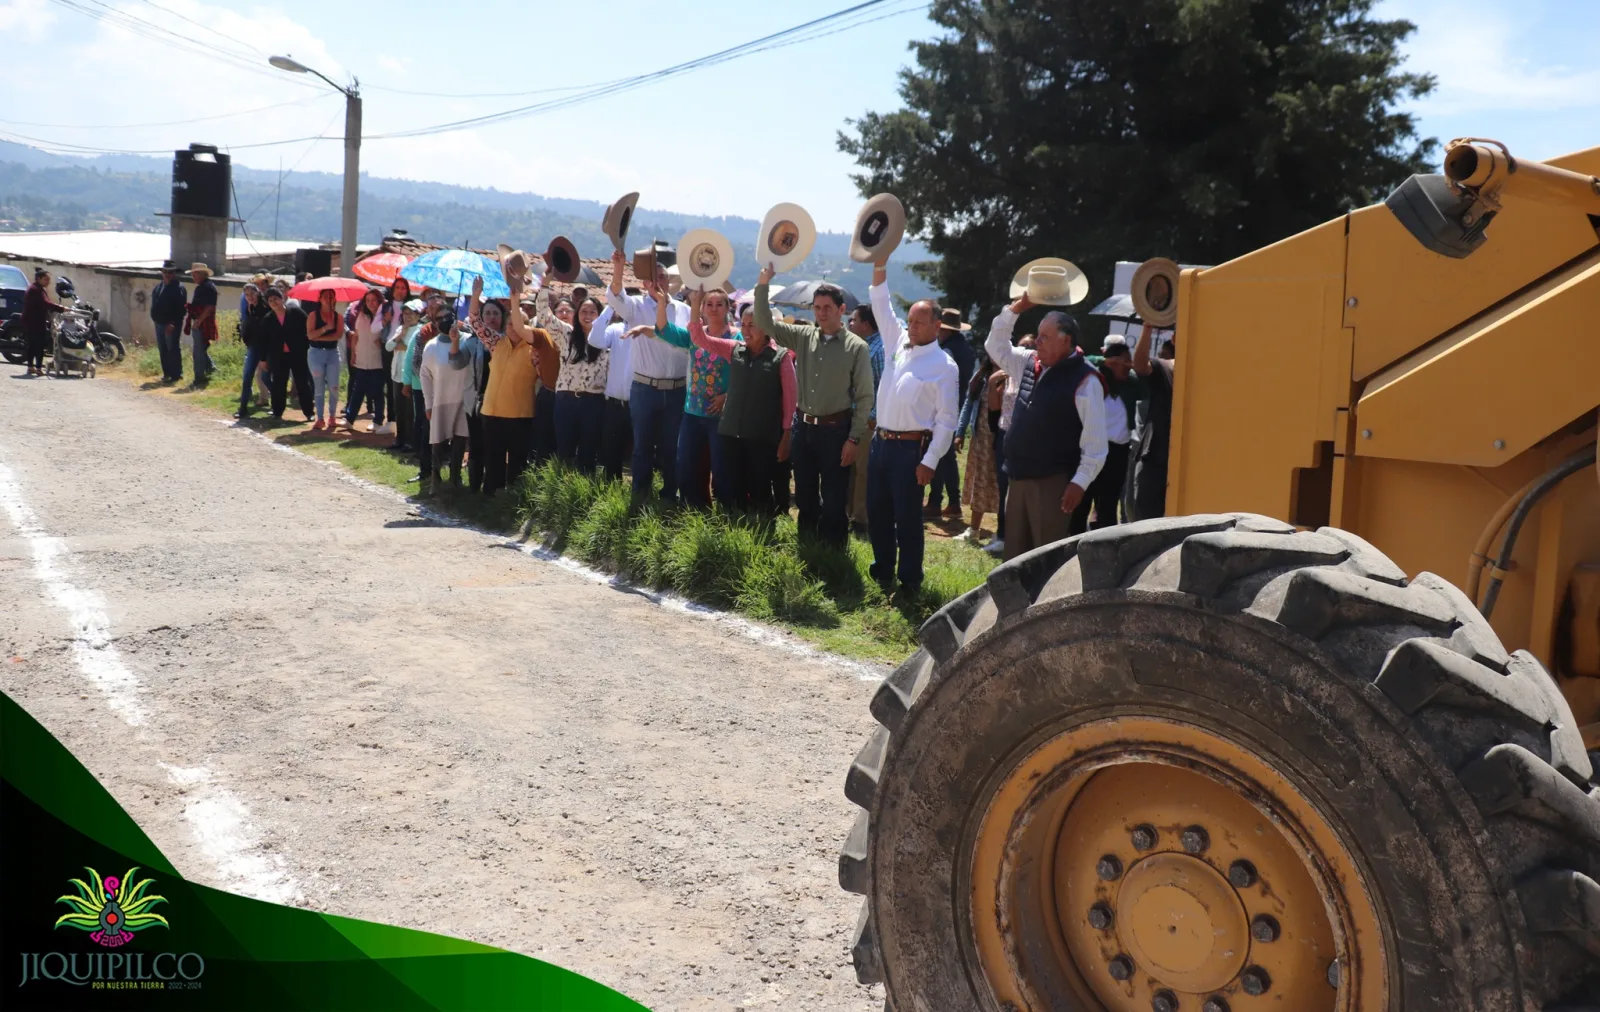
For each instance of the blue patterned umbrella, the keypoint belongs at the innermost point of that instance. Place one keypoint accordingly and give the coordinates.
(452, 270)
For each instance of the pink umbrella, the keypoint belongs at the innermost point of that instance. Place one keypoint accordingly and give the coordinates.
(381, 268)
(344, 289)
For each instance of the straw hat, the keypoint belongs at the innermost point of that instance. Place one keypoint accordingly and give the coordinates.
(1050, 281)
(880, 226)
(786, 237)
(1155, 291)
(618, 217)
(198, 267)
(706, 259)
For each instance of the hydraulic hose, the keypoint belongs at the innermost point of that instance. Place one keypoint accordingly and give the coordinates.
(1547, 481)
(1480, 551)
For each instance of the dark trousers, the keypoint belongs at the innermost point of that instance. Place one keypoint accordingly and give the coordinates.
(477, 452)
(616, 437)
(579, 418)
(999, 472)
(282, 365)
(424, 430)
(365, 385)
(657, 415)
(821, 484)
(35, 346)
(697, 435)
(169, 343)
(782, 479)
(508, 442)
(894, 510)
(400, 412)
(542, 445)
(252, 362)
(1104, 492)
(946, 482)
(1150, 485)
(747, 466)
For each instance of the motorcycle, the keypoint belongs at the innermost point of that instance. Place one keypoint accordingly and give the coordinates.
(80, 326)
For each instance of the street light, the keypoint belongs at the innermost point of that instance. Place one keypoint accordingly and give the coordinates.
(352, 158)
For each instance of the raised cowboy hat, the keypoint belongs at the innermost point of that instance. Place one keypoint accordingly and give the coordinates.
(514, 263)
(1155, 291)
(617, 219)
(706, 259)
(200, 267)
(786, 237)
(645, 261)
(1050, 281)
(561, 261)
(879, 228)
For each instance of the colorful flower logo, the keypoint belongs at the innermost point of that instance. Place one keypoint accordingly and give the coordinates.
(113, 908)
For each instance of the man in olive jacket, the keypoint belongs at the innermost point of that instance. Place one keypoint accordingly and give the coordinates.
(834, 370)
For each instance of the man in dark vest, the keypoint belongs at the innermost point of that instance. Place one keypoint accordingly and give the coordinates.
(1057, 441)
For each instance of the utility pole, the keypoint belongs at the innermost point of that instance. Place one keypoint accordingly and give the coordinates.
(352, 158)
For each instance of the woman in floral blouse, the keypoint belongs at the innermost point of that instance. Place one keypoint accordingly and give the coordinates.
(581, 386)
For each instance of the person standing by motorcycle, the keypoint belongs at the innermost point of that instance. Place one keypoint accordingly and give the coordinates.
(202, 321)
(168, 305)
(36, 309)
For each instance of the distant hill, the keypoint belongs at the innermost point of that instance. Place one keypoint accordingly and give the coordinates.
(40, 190)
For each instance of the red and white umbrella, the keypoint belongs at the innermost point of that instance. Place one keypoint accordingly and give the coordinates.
(381, 268)
(344, 289)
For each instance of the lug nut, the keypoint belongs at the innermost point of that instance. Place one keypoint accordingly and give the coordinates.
(1215, 1003)
(1241, 874)
(1254, 980)
(1333, 974)
(1109, 868)
(1121, 968)
(1164, 1001)
(1100, 916)
(1265, 928)
(1195, 840)
(1144, 837)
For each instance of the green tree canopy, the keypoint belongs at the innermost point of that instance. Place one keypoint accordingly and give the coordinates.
(1102, 130)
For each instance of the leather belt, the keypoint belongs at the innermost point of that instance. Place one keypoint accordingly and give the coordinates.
(837, 418)
(918, 435)
(661, 384)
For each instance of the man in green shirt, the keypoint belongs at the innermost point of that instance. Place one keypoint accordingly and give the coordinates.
(834, 370)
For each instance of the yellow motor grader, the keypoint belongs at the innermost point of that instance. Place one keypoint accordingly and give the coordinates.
(1238, 759)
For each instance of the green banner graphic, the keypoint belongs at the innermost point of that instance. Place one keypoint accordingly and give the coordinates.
(92, 915)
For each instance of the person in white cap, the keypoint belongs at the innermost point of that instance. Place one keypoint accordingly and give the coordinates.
(1056, 444)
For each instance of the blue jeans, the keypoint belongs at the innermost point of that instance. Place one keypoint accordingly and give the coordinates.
(821, 485)
(367, 385)
(202, 358)
(169, 342)
(696, 434)
(579, 418)
(252, 362)
(657, 415)
(894, 510)
(324, 363)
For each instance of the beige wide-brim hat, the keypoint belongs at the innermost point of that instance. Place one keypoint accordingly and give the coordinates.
(1050, 281)
(200, 268)
(880, 226)
(1154, 289)
(705, 259)
(786, 237)
(515, 263)
(617, 218)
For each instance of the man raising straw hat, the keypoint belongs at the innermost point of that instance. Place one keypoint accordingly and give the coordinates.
(1057, 441)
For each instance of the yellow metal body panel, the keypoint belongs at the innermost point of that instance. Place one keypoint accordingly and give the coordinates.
(1405, 295)
(1299, 347)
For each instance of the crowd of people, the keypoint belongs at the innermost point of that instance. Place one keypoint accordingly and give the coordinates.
(861, 414)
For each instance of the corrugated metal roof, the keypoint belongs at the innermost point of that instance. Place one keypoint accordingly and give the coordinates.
(123, 249)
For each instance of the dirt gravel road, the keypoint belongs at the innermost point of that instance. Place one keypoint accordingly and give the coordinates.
(305, 692)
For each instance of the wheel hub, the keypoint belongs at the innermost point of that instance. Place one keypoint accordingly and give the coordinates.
(1182, 922)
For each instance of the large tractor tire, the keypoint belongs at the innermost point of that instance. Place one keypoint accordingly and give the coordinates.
(1214, 764)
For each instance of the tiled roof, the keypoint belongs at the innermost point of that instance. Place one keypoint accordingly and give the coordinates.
(409, 247)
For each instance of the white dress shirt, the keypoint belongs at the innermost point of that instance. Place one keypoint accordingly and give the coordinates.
(603, 333)
(1088, 398)
(652, 359)
(918, 389)
(1116, 421)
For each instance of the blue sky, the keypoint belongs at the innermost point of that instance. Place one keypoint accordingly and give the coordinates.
(731, 139)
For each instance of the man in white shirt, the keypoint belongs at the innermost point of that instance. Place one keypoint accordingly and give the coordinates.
(1115, 364)
(1056, 444)
(656, 394)
(916, 407)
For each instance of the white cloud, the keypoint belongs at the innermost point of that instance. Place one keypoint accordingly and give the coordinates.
(26, 20)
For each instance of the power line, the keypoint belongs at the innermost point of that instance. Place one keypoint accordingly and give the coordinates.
(203, 27)
(61, 147)
(316, 97)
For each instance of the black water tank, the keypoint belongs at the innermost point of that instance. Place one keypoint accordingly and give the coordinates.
(316, 262)
(202, 182)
